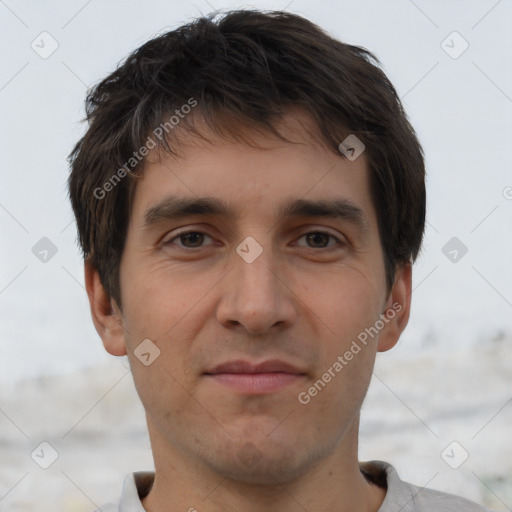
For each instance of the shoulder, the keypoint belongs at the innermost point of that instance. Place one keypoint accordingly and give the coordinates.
(423, 499)
(408, 497)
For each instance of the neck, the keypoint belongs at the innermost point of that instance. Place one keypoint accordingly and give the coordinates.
(333, 483)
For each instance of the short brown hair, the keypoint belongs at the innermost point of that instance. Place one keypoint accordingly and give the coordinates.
(245, 69)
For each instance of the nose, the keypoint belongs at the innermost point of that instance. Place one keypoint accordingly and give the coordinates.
(257, 295)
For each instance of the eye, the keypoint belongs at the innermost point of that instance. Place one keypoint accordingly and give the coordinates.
(189, 239)
(196, 239)
(320, 239)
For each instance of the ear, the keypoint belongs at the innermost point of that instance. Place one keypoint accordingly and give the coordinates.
(397, 308)
(105, 313)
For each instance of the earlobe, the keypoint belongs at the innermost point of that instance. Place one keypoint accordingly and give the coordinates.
(105, 313)
(398, 308)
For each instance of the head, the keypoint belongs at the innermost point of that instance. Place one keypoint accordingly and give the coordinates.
(237, 122)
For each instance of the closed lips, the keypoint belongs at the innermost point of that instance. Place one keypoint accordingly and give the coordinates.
(239, 366)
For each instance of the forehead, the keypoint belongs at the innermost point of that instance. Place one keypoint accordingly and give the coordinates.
(267, 177)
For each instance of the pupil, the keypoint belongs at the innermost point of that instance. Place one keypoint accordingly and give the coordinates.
(191, 236)
(313, 237)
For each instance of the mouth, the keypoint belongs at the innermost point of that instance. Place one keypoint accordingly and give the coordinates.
(248, 378)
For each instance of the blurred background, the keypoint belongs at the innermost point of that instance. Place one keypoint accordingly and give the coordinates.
(440, 403)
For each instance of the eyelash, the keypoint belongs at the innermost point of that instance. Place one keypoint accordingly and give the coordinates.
(171, 241)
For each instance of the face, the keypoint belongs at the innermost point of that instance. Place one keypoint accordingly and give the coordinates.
(253, 303)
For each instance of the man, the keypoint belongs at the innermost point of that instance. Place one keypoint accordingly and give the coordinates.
(250, 198)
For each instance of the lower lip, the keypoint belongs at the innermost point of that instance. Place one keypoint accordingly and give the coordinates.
(255, 383)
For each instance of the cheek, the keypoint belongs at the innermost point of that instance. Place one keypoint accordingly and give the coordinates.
(160, 298)
(169, 311)
(346, 306)
(345, 301)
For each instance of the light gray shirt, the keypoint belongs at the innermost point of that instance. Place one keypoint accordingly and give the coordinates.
(400, 496)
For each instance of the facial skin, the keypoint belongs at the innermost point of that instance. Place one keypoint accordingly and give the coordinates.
(303, 301)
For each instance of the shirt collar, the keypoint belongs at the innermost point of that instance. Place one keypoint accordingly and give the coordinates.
(136, 486)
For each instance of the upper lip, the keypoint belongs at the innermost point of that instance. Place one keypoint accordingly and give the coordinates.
(240, 366)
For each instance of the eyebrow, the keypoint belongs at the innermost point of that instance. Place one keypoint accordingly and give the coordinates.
(174, 207)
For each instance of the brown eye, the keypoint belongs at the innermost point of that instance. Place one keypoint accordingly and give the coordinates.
(189, 240)
(319, 239)
(195, 239)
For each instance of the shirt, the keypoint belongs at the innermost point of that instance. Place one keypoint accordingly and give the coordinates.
(400, 496)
